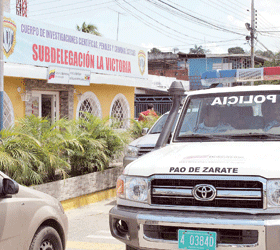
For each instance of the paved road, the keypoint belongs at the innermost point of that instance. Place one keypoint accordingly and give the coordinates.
(89, 228)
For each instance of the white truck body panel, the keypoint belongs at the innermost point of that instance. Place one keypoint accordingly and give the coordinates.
(219, 158)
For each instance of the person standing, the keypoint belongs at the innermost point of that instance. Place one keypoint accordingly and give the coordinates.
(149, 112)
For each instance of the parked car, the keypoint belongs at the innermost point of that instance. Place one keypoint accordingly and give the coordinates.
(29, 219)
(146, 143)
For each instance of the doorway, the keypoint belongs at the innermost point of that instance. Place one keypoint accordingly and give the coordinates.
(45, 104)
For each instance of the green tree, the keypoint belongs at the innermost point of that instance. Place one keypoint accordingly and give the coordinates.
(267, 53)
(236, 50)
(89, 28)
(198, 50)
(155, 51)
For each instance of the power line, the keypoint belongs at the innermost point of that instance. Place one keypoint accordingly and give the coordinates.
(168, 34)
(241, 3)
(200, 20)
(175, 13)
(65, 5)
(180, 25)
(208, 18)
(36, 3)
(160, 22)
(223, 9)
(53, 12)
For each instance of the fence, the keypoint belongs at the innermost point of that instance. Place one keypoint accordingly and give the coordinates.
(161, 104)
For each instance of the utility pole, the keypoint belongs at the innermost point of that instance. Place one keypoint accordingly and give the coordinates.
(1, 67)
(252, 34)
(118, 26)
(251, 28)
(118, 22)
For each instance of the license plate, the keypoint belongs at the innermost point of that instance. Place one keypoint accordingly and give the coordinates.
(196, 240)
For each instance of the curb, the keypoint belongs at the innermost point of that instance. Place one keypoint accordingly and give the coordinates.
(88, 199)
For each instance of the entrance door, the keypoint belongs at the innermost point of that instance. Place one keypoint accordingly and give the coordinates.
(45, 104)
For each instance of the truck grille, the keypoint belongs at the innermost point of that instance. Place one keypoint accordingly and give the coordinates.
(144, 150)
(230, 193)
(224, 236)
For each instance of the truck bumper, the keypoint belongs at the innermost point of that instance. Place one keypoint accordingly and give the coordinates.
(157, 229)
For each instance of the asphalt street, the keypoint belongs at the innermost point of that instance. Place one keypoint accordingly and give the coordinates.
(89, 228)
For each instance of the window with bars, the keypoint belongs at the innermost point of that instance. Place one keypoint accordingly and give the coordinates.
(89, 103)
(120, 112)
(8, 112)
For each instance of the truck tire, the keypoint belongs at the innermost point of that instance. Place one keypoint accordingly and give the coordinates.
(46, 238)
(130, 248)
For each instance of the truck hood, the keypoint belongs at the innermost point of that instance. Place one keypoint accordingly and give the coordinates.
(250, 158)
(148, 140)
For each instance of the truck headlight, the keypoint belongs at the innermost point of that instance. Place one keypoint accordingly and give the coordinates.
(132, 151)
(137, 189)
(132, 188)
(273, 193)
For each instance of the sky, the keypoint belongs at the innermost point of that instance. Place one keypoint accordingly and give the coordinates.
(169, 25)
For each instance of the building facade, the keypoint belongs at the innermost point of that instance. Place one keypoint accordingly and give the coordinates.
(53, 72)
(201, 63)
(169, 65)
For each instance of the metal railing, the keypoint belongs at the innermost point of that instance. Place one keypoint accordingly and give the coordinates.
(162, 104)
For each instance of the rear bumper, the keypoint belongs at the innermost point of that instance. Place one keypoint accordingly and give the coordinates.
(266, 227)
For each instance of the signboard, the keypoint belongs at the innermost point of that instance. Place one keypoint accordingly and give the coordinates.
(33, 43)
(60, 75)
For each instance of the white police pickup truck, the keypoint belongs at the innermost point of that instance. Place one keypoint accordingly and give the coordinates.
(216, 186)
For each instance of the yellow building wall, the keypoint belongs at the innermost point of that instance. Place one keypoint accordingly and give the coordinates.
(106, 94)
(10, 87)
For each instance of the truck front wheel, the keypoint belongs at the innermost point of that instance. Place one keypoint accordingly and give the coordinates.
(46, 238)
(130, 248)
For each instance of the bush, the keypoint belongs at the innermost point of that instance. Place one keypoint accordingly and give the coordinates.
(136, 127)
(35, 151)
(42, 145)
(100, 143)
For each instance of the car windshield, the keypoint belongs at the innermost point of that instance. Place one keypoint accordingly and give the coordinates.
(235, 115)
(157, 128)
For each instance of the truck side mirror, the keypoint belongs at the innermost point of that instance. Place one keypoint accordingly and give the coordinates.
(9, 186)
(145, 131)
(169, 138)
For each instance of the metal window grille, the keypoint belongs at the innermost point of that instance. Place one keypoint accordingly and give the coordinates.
(238, 63)
(8, 112)
(117, 113)
(90, 104)
(162, 104)
(120, 112)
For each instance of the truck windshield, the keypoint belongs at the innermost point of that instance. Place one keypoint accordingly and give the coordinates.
(234, 114)
(157, 128)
